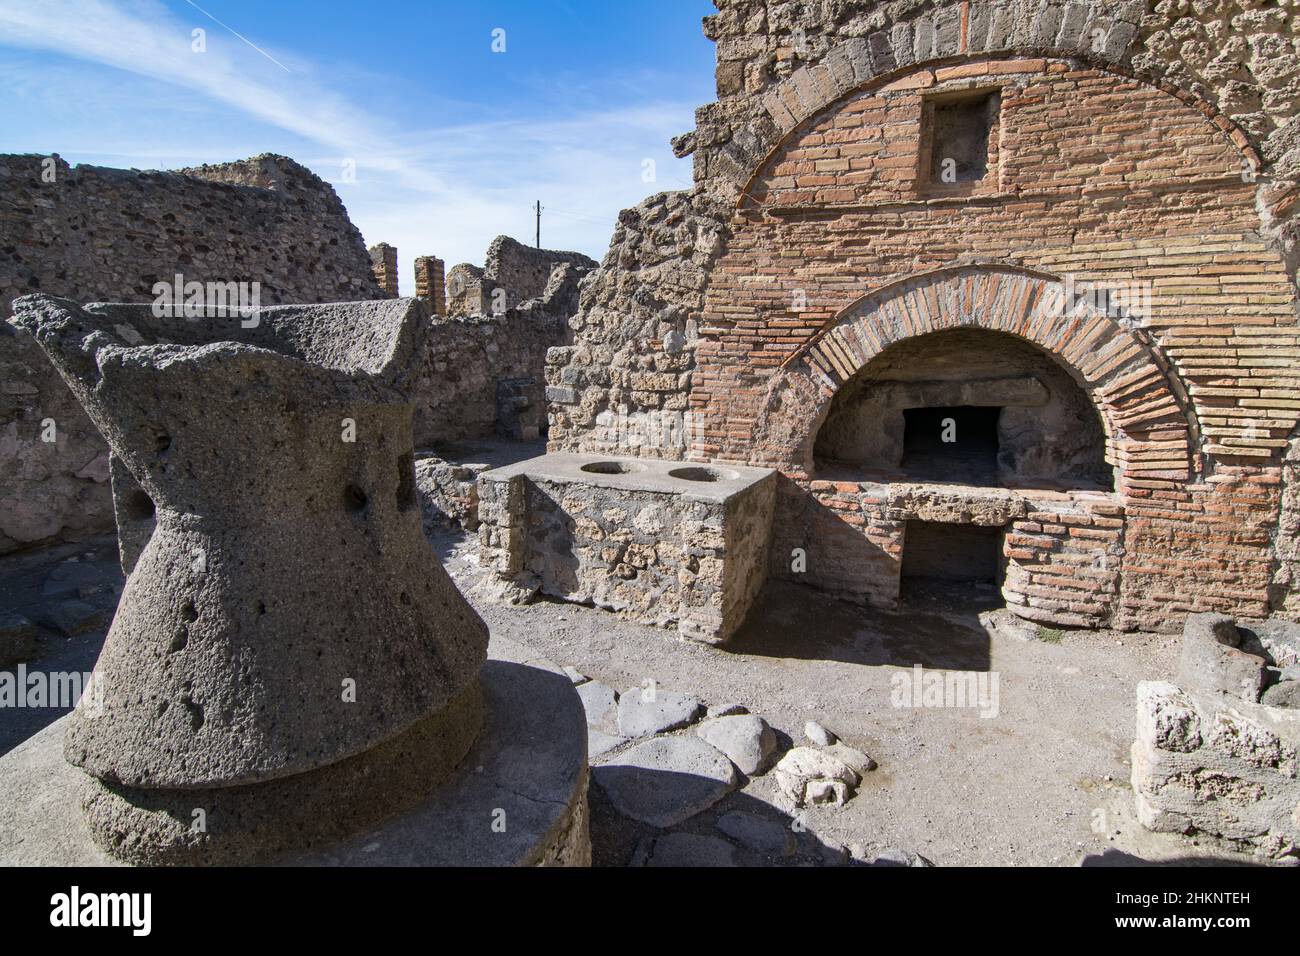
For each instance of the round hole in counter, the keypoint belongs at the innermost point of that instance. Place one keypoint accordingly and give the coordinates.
(704, 474)
(612, 467)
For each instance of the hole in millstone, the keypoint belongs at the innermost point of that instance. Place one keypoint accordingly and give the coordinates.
(161, 442)
(406, 598)
(354, 499)
(139, 506)
(195, 711)
(180, 639)
(261, 607)
(189, 612)
(405, 482)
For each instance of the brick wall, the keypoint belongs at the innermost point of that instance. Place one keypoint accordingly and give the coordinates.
(430, 284)
(383, 264)
(1100, 178)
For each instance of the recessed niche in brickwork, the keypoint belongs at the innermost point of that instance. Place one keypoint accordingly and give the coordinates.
(938, 551)
(961, 133)
(956, 443)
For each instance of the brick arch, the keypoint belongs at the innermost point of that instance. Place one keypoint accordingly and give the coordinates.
(1147, 427)
(859, 63)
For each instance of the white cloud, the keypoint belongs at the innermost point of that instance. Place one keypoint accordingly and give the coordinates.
(445, 191)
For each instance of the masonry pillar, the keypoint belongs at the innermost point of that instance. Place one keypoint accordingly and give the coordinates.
(430, 283)
(383, 263)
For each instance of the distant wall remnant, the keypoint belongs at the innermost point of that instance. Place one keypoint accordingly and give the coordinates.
(484, 373)
(512, 273)
(430, 285)
(383, 263)
(96, 234)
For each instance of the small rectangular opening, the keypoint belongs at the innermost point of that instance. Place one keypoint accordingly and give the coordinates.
(956, 443)
(935, 551)
(959, 132)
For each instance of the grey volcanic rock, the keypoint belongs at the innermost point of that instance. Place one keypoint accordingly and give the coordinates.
(17, 639)
(287, 613)
(600, 701)
(747, 740)
(768, 837)
(639, 717)
(690, 849)
(667, 780)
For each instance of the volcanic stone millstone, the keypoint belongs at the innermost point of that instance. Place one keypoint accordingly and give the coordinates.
(287, 566)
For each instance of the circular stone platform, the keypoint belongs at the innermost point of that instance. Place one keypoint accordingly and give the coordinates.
(518, 799)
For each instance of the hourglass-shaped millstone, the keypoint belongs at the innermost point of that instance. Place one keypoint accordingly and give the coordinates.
(287, 625)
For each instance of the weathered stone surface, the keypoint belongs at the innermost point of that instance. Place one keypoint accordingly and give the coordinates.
(1216, 764)
(666, 545)
(600, 701)
(600, 743)
(17, 639)
(527, 762)
(1212, 661)
(667, 780)
(224, 594)
(809, 776)
(448, 493)
(71, 618)
(746, 740)
(289, 630)
(769, 837)
(1282, 694)
(141, 226)
(851, 757)
(818, 734)
(641, 712)
(689, 849)
(726, 710)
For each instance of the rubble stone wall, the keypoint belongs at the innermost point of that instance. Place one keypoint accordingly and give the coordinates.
(96, 234)
(484, 373)
(512, 274)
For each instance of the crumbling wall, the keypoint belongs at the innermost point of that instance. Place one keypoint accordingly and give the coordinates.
(383, 264)
(524, 271)
(483, 374)
(95, 234)
(512, 274)
(1215, 752)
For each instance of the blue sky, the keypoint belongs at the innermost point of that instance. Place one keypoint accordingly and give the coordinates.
(450, 141)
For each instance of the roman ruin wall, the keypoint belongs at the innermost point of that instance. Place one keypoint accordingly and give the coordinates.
(484, 374)
(95, 234)
(1149, 145)
(512, 274)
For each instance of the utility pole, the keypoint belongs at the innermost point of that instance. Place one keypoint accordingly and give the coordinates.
(539, 224)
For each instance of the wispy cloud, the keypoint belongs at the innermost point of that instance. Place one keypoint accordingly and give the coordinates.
(444, 190)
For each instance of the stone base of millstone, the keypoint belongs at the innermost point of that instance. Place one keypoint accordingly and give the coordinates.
(518, 799)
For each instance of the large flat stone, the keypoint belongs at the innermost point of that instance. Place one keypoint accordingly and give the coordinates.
(664, 711)
(747, 740)
(667, 780)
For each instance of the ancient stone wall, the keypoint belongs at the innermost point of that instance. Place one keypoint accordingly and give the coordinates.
(524, 271)
(806, 198)
(512, 273)
(484, 373)
(96, 234)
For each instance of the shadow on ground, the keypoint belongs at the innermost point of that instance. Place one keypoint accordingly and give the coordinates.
(936, 629)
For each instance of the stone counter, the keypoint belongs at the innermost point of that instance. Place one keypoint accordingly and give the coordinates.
(668, 543)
